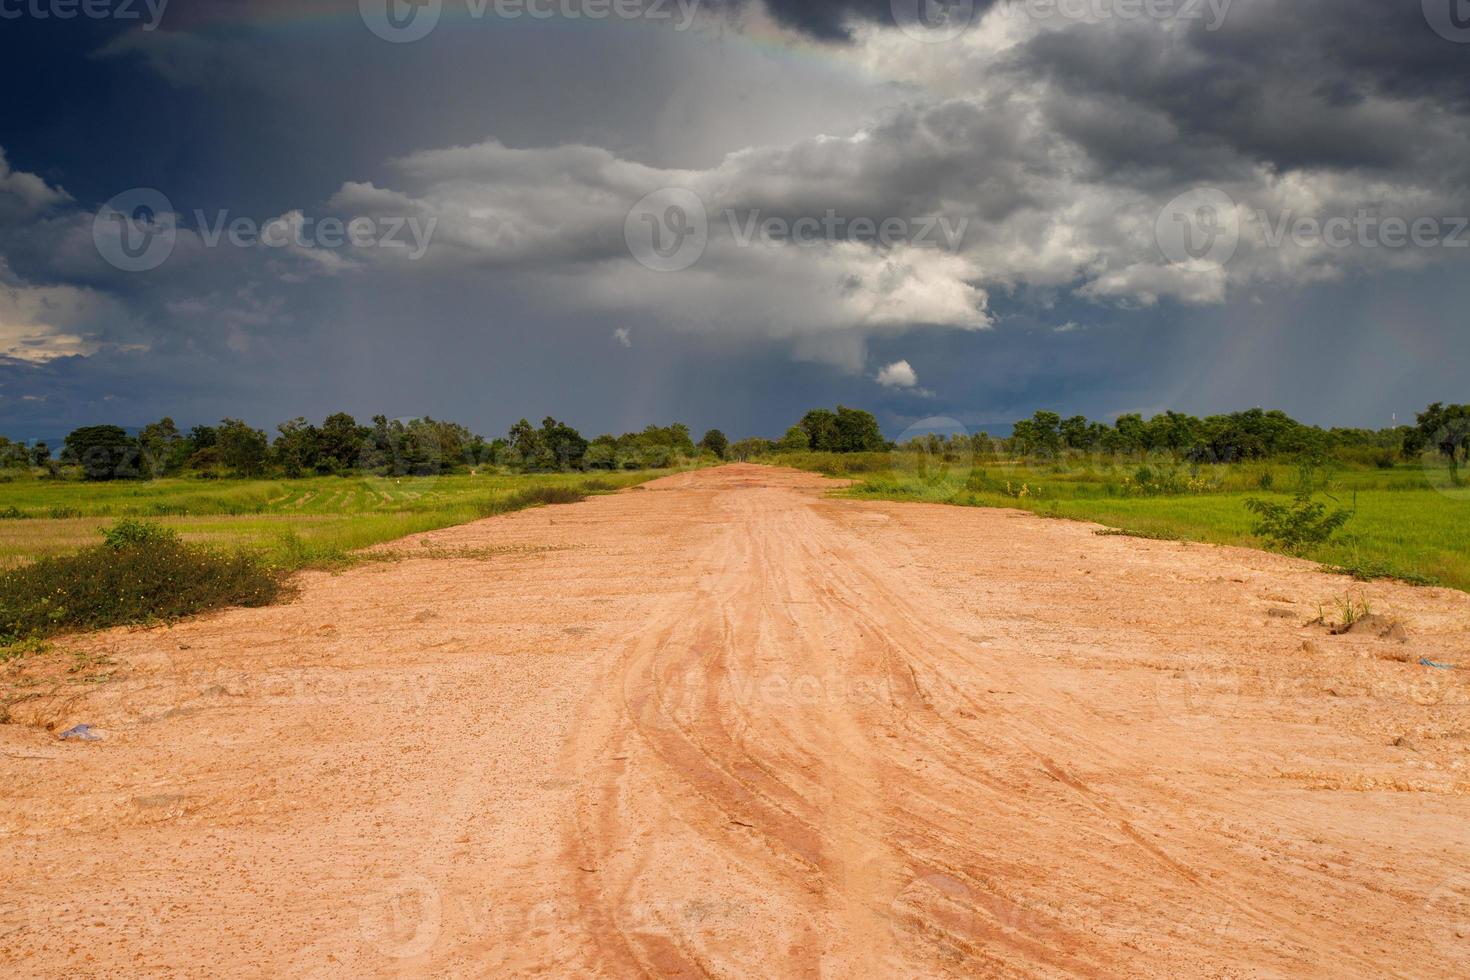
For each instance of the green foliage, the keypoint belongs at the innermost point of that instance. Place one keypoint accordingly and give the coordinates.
(1446, 430)
(796, 440)
(241, 449)
(141, 573)
(714, 441)
(1295, 527)
(129, 533)
(104, 452)
(847, 430)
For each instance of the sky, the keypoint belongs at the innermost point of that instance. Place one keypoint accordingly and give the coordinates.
(628, 212)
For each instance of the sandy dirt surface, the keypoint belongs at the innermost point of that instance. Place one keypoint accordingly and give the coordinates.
(725, 725)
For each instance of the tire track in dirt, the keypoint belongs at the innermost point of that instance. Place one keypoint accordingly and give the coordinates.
(727, 727)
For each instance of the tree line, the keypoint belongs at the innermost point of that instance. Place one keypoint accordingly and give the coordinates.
(420, 446)
(340, 445)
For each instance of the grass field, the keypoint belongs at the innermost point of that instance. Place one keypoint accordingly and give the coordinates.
(291, 523)
(1409, 521)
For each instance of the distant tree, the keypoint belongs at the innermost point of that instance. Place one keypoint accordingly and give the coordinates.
(241, 448)
(13, 455)
(858, 432)
(1076, 434)
(796, 439)
(163, 448)
(202, 437)
(602, 453)
(820, 425)
(525, 444)
(295, 449)
(339, 442)
(714, 440)
(1445, 429)
(40, 454)
(104, 452)
(1040, 435)
(564, 444)
(743, 449)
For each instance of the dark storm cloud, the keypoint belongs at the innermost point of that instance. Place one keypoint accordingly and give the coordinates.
(1059, 142)
(1290, 84)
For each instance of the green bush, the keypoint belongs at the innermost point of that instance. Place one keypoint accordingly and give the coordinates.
(140, 573)
(1304, 523)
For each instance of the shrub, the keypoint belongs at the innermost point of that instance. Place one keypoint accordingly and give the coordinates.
(133, 534)
(531, 497)
(1297, 526)
(140, 573)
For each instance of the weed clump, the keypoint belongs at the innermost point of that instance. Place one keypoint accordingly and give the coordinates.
(142, 572)
(1304, 523)
(531, 497)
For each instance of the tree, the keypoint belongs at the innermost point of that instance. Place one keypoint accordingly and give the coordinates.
(104, 452)
(714, 440)
(163, 449)
(295, 449)
(749, 448)
(795, 440)
(1444, 428)
(240, 447)
(565, 444)
(820, 425)
(339, 442)
(1076, 434)
(858, 432)
(1040, 435)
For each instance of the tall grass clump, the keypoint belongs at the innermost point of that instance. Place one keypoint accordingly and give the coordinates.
(141, 572)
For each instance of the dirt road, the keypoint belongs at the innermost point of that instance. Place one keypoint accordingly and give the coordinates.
(724, 725)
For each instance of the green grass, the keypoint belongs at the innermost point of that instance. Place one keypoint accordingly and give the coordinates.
(141, 573)
(288, 523)
(1409, 522)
